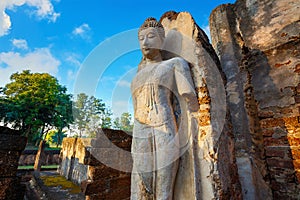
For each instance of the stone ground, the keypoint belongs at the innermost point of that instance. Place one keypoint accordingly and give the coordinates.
(49, 185)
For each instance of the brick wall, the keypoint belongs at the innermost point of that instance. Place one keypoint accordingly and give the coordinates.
(28, 157)
(11, 147)
(83, 163)
(258, 44)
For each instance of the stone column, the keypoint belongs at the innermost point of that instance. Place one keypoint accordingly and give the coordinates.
(213, 159)
(258, 46)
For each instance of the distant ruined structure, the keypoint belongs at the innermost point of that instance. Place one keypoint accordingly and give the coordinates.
(258, 44)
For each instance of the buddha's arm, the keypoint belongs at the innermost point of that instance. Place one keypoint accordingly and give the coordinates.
(185, 84)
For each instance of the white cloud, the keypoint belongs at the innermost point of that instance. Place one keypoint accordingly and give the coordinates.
(20, 43)
(71, 75)
(82, 31)
(40, 60)
(124, 83)
(5, 23)
(42, 9)
(73, 59)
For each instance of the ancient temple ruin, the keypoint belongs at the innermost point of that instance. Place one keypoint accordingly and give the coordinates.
(248, 88)
(258, 44)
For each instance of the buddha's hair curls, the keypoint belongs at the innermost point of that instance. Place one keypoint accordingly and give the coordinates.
(152, 22)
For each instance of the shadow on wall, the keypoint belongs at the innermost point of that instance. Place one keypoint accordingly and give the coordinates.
(73, 170)
(270, 102)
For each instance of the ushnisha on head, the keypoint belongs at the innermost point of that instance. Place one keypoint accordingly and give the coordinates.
(152, 22)
(151, 37)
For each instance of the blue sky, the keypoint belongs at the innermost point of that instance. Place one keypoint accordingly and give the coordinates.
(70, 39)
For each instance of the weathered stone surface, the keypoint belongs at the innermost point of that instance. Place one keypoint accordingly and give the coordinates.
(258, 44)
(8, 163)
(28, 157)
(11, 189)
(11, 146)
(11, 139)
(97, 180)
(105, 185)
(102, 172)
(74, 155)
(120, 194)
(215, 172)
(278, 151)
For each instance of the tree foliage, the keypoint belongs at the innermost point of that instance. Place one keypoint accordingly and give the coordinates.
(55, 137)
(124, 122)
(34, 102)
(90, 114)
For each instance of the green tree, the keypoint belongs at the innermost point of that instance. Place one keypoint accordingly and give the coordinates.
(35, 103)
(124, 122)
(55, 137)
(90, 114)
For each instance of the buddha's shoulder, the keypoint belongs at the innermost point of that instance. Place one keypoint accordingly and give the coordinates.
(176, 60)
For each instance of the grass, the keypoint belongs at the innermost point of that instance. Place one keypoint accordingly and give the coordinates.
(37, 148)
(54, 181)
(43, 167)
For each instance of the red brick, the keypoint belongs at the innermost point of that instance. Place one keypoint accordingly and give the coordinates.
(105, 185)
(298, 88)
(269, 141)
(280, 152)
(9, 163)
(267, 132)
(10, 188)
(120, 194)
(280, 163)
(298, 175)
(204, 119)
(294, 141)
(120, 182)
(292, 121)
(296, 164)
(94, 187)
(102, 172)
(280, 195)
(286, 111)
(295, 153)
(272, 122)
(265, 114)
(275, 186)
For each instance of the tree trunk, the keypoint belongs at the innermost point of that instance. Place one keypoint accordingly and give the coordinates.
(40, 156)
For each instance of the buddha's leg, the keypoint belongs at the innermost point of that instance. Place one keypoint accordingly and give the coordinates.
(165, 179)
(142, 154)
(166, 162)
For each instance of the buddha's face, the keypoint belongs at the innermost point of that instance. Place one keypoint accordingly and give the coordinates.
(150, 42)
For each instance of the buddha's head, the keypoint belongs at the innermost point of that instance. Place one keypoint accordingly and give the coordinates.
(151, 37)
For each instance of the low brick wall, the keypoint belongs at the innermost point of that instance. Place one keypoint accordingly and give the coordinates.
(98, 181)
(11, 147)
(105, 182)
(73, 156)
(28, 157)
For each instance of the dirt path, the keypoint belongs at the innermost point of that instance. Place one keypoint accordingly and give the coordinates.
(49, 185)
